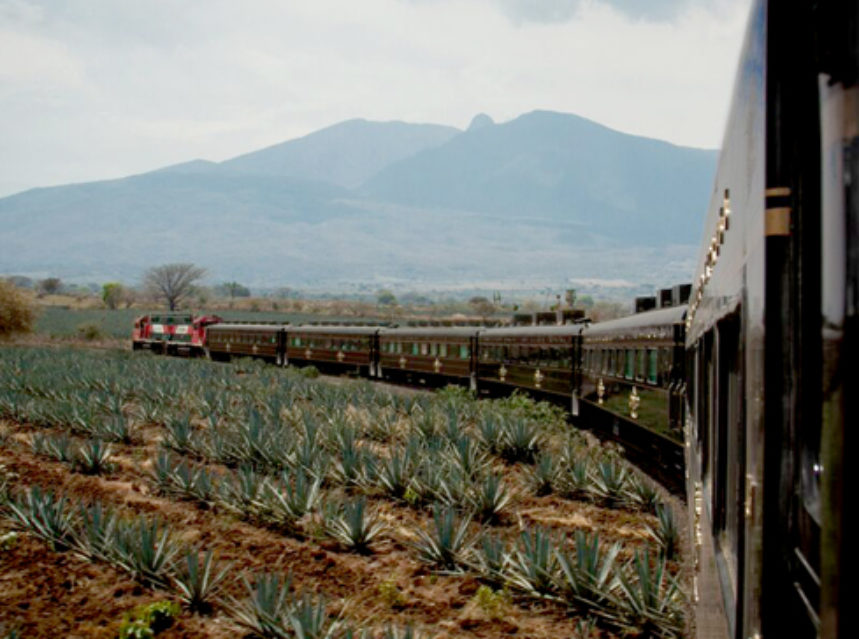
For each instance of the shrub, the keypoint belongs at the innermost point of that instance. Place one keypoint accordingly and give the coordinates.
(16, 313)
(89, 331)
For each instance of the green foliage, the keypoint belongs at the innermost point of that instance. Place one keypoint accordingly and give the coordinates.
(89, 331)
(494, 604)
(310, 371)
(149, 620)
(112, 294)
(8, 541)
(391, 594)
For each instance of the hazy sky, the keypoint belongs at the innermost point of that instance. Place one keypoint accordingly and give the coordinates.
(95, 89)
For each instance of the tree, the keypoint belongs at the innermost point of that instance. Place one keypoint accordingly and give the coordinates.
(482, 306)
(385, 298)
(112, 294)
(50, 285)
(16, 314)
(172, 282)
(232, 290)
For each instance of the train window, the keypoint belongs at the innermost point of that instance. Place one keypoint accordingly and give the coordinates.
(433, 349)
(296, 341)
(630, 364)
(424, 348)
(653, 365)
(641, 364)
(442, 350)
(416, 349)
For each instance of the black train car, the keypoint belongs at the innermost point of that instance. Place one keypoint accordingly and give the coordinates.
(771, 329)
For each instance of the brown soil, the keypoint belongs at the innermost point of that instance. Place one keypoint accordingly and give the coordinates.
(46, 593)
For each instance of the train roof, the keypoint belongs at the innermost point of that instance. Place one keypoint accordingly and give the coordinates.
(430, 331)
(227, 326)
(334, 330)
(639, 321)
(537, 331)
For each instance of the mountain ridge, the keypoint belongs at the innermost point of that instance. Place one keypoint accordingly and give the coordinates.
(546, 194)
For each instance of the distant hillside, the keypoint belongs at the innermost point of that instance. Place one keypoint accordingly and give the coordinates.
(555, 166)
(346, 154)
(544, 197)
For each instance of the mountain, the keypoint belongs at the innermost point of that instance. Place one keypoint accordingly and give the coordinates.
(559, 167)
(346, 154)
(544, 197)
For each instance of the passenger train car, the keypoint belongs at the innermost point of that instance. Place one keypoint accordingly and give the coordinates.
(771, 332)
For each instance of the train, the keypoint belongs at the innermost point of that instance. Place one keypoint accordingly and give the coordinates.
(622, 377)
(742, 394)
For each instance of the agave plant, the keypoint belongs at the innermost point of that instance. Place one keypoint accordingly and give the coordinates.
(533, 563)
(394, 632)
(651, 602)
(354, 527)
(162, 467)
(520, 441)
(266, 608)
(308, 618)
(179, 434)
(467, 456)
(145, 550)
(115, 429)
(445, 544)
(642, 493)
(93, 457)
(574, 479)
(490, 431)
(488, 497)
(490, 558)
(43, 515)
(239, 491)
(59, 447)
(610, 480)
(95, 534)
(286, 501)
(543, 475)
(197, 581)
(585, 580)
(666, 533)
(394, 472)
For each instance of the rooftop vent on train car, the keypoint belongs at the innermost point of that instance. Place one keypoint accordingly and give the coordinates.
(646, 303)
(666, 298)
(681, 294)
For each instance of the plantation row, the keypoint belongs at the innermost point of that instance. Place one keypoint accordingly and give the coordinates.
(313, 459)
